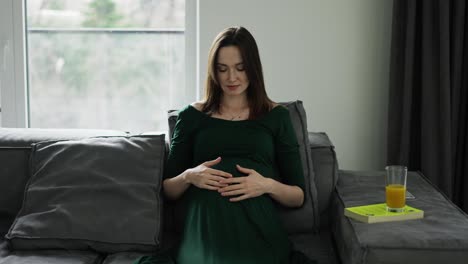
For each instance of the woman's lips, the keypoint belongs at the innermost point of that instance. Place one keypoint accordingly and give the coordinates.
(232, 87)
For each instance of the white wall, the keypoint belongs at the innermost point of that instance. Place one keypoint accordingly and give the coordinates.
(331, 54)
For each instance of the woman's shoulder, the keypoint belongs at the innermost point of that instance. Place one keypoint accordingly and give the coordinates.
(279, 117)
(279, 108)
(192, 107)
(277, 114)
(274, 105)
(197, 105)
(191, 110)
(189, 117)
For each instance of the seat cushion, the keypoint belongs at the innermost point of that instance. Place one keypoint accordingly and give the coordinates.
(46, 256)
(51, 257)
(316, 246)
(123, 258)
(298, 220)
(101, 193)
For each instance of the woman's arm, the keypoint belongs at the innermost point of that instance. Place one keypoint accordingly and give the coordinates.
(254, 184)
(179, 161)
(176, 186)
(287, 195)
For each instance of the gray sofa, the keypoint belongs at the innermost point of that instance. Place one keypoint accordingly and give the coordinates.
(94, 196)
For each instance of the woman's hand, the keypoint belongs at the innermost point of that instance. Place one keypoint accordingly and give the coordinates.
(250, 186)
(204, 177)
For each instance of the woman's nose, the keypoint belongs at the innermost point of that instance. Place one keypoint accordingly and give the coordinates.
(232, 75)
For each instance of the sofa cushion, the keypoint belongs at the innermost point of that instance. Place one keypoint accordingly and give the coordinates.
(100, 193)
(51, 257)
(15, 147)
(131, 257)
(3, 248)
(306, 218)
(46, 256)
(14, 175)
(122, 258)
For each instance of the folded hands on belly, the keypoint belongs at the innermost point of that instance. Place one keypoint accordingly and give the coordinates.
(252, 185)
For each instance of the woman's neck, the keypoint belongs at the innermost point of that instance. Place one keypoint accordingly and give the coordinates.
(234, 103)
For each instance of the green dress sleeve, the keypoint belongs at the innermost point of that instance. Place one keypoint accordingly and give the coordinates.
(287, 152)
(180, 155)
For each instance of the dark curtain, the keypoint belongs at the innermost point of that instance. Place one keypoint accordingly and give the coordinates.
(428, 108)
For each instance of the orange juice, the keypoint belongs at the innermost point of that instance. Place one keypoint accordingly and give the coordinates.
(395, 195)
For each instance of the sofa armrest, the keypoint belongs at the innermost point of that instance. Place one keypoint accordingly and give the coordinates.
(440, 237)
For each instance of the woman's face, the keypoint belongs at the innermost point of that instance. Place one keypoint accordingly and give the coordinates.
(230, 71)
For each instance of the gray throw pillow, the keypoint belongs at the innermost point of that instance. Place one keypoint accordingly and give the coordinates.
(296, 220)
(99, 193)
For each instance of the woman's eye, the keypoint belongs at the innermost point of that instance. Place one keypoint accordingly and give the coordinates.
(240, 68)
(222, 69)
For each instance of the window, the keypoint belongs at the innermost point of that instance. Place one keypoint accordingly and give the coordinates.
(105, 64)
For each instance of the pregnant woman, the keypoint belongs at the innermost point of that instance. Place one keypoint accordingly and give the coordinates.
(232, 157)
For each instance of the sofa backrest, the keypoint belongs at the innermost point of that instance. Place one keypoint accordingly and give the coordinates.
(15, 148)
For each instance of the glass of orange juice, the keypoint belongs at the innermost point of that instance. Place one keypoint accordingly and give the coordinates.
(395, 188)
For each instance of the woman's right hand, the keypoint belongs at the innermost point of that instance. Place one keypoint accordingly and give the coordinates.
(204, 177)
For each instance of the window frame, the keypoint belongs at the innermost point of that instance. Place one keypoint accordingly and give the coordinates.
(14, 103)
(13, 83)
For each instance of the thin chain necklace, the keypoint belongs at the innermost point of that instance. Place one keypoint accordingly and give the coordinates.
(234, 116)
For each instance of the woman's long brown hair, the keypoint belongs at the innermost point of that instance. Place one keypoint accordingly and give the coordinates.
(258, 100)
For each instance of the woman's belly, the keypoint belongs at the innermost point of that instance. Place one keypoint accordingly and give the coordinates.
(228, 164)
(214, 199)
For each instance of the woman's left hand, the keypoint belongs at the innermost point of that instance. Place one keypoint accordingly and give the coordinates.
(252, 185)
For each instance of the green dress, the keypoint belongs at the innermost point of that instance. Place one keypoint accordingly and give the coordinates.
(217, 230)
